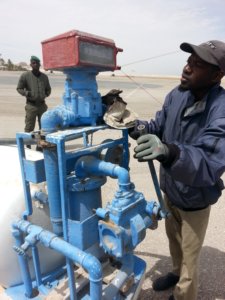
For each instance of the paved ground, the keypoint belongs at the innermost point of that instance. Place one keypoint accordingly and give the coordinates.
(145, 96)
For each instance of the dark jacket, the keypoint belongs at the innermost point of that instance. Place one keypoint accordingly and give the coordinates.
(34, 88)
(193, 181)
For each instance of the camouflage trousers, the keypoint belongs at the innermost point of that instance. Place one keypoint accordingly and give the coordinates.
(33, 112)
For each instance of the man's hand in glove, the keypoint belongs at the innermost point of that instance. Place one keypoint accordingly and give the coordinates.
(150, 147)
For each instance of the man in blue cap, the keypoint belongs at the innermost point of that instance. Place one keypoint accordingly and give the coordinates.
(35, 86)
(187, 137)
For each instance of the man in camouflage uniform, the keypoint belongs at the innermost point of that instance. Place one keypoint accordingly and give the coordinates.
(35, 86)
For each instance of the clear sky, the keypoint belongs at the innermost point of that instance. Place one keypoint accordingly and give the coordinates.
(143, 28)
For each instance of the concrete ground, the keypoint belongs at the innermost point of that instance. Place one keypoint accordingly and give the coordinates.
(145, 96)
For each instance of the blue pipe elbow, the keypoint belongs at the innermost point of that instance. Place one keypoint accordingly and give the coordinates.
(57, 118)
(94, 267)
(89, 165)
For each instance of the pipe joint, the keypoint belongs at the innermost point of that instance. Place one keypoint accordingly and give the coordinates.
(90, 165)
(94, 267)
(56, 119)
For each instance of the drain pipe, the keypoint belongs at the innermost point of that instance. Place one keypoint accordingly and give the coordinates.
(89, 165)
(52, 241)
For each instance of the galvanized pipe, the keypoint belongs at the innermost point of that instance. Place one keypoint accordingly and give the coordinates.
(13, 141)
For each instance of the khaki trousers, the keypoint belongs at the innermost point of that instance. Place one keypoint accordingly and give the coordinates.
(186, 232)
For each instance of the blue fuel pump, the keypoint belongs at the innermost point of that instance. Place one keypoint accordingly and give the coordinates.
(96, 241)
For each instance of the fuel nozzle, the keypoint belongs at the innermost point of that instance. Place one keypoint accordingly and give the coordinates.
(142, 129)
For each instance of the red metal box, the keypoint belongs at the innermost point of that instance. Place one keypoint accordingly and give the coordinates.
(76, 48)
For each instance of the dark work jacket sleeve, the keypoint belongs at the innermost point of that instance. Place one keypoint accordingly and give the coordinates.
(47, 88)
(22, 86)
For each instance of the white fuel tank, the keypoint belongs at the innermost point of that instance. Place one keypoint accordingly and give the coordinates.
(12, 206)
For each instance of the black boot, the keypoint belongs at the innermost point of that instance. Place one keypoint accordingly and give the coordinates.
(165, 282)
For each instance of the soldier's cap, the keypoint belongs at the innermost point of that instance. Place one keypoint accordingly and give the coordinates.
(212, 52)
(35, 58)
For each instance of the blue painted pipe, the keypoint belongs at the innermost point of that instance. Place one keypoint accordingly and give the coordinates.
(52, 180)
(89, 262)
(89, 165)
(36, 262)
(26, 185)
(23, 262)
(57, 118)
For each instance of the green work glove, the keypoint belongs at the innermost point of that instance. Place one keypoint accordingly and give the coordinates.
(150, 147)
